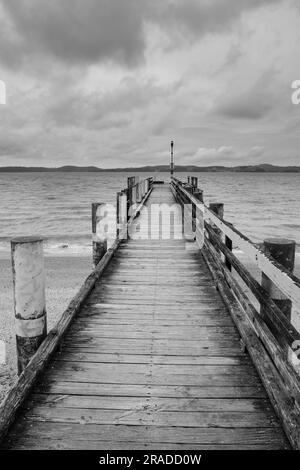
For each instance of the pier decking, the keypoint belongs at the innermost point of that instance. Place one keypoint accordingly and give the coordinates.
(153, 360)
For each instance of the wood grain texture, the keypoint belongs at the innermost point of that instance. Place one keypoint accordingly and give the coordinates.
(151, 360)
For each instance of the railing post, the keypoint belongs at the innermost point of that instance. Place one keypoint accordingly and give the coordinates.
(130, 188)
(99, 244)
(194, 183)
(138, 192)
(130, 181)
(228, 244)
(283, 251)
(121, 212)
(218, 209)
(29, 297)
(198, 194)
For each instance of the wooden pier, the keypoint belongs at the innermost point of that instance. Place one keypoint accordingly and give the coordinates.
(162, 348)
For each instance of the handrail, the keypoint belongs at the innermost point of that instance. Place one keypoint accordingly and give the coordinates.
(287, 282)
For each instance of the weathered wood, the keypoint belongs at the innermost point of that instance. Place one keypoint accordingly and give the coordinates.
(282, 251)
(122, 214)
(29, 297)
(288, 332)
(22, 387)
(99, 243)
(195, 420)
(289, 374)
(162, 435)
(272, 381)
(284, 280)
(140, 365)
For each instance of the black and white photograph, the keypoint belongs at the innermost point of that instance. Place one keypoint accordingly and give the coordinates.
(149, 230)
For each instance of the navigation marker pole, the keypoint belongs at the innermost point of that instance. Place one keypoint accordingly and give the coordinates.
(172, 158)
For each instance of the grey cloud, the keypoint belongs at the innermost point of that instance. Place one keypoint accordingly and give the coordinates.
(201, 17)
(77, 31)
(246, 106)
(11, 145)
(90, 31)
(102, 111)
(254, 103)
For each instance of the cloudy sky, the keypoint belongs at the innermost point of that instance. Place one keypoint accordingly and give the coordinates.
(111, 82)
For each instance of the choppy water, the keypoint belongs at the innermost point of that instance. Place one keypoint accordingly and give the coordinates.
(58, 205)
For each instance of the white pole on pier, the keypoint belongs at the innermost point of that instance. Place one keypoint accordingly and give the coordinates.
(29, 297)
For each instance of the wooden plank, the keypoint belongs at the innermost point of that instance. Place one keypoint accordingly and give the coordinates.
(161, 333)
(157, 379)
(73, 356)
(24, 443)
(151, 320)
(138, 417)
(144, 434)
(62, 387)
(190, 370)
(215, 308)
(151, 403)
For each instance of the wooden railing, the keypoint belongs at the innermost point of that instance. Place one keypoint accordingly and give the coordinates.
(267, 332)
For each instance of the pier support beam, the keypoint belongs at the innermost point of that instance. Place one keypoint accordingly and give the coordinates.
(283, 251)
(29, 297)
(99, 244)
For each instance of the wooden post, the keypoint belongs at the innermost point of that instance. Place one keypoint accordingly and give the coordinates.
(283, 251)
(218, 209)
(198, 194)
(199, 235)
(29, 297)
(194, 221)
(121, 212)
(194, 182)
(130, 190)
(99, 245)
(130, 181)
(228, 243)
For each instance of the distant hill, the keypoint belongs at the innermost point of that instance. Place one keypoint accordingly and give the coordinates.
(263, 168)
